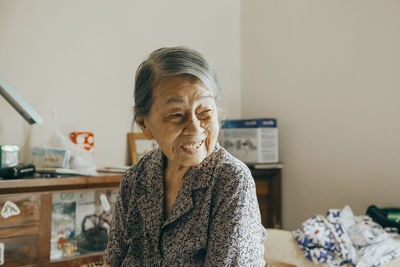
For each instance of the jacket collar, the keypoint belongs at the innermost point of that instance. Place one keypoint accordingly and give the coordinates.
(151, 202)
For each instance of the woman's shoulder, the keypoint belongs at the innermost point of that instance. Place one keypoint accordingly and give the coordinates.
(144, 165)
(232, 178)
(231, 169)
(128, 180)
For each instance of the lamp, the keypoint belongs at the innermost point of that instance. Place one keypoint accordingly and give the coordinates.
(19, 104)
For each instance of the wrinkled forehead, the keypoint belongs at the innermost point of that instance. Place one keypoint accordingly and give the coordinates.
(178, 87)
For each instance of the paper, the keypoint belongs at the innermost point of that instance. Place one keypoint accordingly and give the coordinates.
(104, 202)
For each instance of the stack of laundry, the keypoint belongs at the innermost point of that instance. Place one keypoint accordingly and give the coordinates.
(341, 238)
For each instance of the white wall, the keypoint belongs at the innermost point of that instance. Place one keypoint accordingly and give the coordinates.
(329, 71)
(80, 56)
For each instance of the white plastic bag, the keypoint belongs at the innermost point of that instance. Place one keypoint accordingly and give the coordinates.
(81, 160)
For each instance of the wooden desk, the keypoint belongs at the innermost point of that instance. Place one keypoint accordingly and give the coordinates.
(26, 236)
(268, 187)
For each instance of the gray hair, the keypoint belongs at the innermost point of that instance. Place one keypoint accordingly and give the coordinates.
(168, 62)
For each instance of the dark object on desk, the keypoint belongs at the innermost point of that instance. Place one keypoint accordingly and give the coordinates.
(380, 216)
(18, 171)
(52, 173)
(95, 238)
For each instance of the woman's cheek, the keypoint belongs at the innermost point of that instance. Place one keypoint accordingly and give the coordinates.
(212, 130)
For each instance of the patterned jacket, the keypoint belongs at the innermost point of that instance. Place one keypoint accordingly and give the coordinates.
(215, 219)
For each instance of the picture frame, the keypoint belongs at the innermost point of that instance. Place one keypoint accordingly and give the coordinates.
(139, 145)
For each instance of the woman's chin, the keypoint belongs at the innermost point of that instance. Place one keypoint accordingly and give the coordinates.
(192, 159)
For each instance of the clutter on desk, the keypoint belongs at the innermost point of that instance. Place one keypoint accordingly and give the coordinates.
(84, 140)
(80, 159)
(63, 172)
(71, 154)
(9, 155)
(251, 140)
(119, 169)
(17, 172)
(10, 168)
(51, 157)
(75, 161)
(80, 145)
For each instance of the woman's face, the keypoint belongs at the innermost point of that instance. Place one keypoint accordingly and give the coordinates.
(183, 120)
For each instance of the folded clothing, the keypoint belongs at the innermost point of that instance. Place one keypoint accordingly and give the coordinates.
(341, 238)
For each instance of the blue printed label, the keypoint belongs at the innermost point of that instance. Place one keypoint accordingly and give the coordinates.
(249, 123)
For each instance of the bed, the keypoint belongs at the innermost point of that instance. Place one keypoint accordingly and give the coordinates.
(280, 246)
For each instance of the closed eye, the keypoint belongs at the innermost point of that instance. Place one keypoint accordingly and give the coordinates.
(205, 114)
(175, 115)
(205, 111)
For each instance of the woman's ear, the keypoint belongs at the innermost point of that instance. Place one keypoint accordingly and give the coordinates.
(145, 128)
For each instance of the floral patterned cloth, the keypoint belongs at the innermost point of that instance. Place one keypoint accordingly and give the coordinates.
(215, 220)
(341, 238)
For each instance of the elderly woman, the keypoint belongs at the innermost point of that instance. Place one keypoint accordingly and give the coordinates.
(188, 203)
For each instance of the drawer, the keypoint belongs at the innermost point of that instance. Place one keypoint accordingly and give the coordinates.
(262, 187)
(21, 250)
(29, 206)
(19, 231)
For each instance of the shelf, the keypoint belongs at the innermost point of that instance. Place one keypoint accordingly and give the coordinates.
(104, 180)
(275, 165)
(30, 229)
(81, 260)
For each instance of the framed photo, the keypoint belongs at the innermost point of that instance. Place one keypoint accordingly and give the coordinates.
(139, 146)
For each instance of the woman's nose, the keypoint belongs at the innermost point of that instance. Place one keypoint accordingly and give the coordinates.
(193, 126)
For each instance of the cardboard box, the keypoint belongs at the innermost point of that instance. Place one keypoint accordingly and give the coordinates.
(251, 140)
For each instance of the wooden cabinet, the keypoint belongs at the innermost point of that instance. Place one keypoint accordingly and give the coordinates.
(21, 234)
(268, 187)
(26, 236)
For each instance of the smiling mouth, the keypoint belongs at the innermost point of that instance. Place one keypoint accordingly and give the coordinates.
(193, 146)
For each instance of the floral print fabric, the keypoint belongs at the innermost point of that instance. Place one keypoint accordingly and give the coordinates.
(215, 220)
(341, 238)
